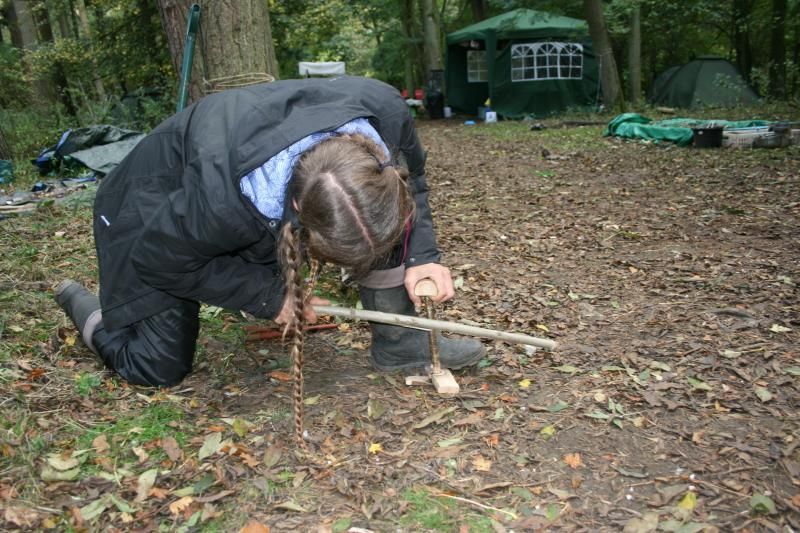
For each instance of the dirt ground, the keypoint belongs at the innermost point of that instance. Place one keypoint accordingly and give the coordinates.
(668, 276)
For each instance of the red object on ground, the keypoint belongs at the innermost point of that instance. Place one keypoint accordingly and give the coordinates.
(404, 93)
(419, 94)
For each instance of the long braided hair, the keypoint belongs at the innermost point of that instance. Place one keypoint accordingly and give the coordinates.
(353, 206)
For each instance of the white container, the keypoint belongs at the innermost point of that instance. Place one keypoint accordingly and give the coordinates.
(491, 116)
(448, 112)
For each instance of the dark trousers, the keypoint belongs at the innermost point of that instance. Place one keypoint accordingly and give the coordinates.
(157, 351)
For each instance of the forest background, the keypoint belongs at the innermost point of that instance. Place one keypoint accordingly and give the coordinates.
(71, 63)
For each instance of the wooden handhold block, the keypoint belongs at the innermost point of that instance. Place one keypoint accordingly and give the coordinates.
(417, 380)
(445, 383)
(426, 287)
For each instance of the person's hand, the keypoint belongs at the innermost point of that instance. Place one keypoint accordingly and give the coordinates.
(439, 274)
(311, 317)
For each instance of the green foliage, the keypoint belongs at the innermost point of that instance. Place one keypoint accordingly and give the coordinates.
(14, 89)
(86, 383)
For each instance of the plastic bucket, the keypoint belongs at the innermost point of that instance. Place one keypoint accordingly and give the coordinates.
(707, 137)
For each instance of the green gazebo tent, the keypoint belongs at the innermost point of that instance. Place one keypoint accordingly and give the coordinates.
(526, 61)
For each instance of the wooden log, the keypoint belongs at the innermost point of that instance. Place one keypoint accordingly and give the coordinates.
(428, 324)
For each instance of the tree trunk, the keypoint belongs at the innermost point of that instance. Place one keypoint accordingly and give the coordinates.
(80, 6)
(272, 60)
(478, 10)
(23, 36)
(635, 56)
(406, 19)
(777, 67)
(432, 35)
(5, 150)
(234, 46)
(742, 10)
(21, 26)
(609, 76)
(58, 76)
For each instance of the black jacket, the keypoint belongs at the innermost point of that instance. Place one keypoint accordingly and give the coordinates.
(170, 221)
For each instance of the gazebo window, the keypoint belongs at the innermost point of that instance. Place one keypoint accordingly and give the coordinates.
(546, 61)
(476, 66)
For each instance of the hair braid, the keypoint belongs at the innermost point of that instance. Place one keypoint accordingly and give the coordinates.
(290, 253)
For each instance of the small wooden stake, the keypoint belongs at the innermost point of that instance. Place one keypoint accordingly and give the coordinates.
(442, 378)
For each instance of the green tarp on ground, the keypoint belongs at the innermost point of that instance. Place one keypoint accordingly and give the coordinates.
(675, 130)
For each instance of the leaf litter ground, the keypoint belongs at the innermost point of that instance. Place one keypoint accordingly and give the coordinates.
(668, 276)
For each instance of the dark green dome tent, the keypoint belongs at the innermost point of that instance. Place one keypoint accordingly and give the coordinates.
(526, 61)
(703, 82)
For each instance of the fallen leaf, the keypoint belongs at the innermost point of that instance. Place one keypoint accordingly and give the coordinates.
(272, 455)
(684, 508)
(777, 328)
(698, 384)
(94, 509)
(121, 504)
(144, 484)
(567, 369)
(312, 400)
(59, 462)
(254, 527)
(547, 431)
(573, 460)
(240, 427)
(688, 502)
(763, 394)
(472, 418)
(375, 408)
(558, 406)
(291, 506)
(375, 447)
(180, 505)
(51, 474)
(280, 375)
(481, 464)
(562, 494)
(492, 440)
(761, 503)
(21, 517)
(100, 444)
(525, 383)
(141, 454)
(646, 524)
(435, 417)
(211, 445)
(158, 493)
(449, 442)
(171, 448)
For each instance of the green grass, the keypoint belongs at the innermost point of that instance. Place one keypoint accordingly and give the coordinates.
(154, 421)
(429, 513)
(85, 383)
